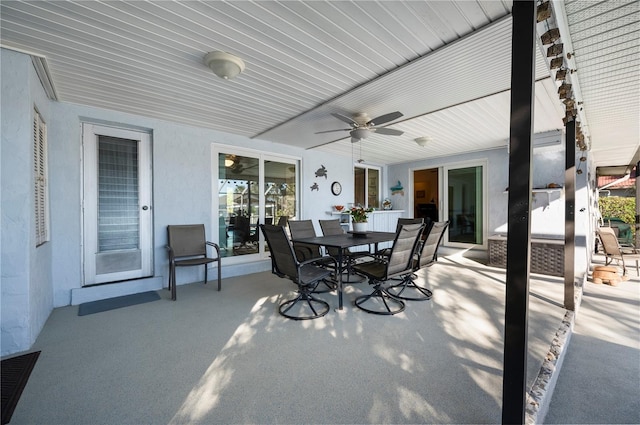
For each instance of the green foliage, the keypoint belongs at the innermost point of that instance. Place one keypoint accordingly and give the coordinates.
(623, 208)
(359, 214)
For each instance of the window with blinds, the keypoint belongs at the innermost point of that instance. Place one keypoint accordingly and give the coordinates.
(118, 211)
(41, 192)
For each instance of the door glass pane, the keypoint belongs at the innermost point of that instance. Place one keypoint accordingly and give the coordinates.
(465, 205)
(279, 191)
(118, 218)
(239, 204)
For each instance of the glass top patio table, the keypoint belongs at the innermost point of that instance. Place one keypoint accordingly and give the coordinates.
(344, 241)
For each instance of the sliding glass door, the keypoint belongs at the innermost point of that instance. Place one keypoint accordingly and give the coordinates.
(252, 188)
(465, 204)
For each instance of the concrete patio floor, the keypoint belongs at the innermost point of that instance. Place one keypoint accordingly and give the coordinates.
(229, 357)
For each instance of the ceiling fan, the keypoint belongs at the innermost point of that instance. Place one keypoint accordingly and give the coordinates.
(362, 126)
(235, 165)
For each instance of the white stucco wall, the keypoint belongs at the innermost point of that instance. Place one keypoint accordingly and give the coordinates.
(35, 280)
(27, 298)
(182, 186)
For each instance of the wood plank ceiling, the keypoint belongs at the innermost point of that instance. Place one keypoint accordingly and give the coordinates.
(444, 65)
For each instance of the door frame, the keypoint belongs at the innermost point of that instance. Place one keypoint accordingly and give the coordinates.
(443, 197)
(89, 213)
(484, 163)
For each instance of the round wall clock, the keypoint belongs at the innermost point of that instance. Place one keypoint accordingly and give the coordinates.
(336, 188)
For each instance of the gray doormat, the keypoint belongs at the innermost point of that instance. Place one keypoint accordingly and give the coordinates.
(14, 375)
(117, 302)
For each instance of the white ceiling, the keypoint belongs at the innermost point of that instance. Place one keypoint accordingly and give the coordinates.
(444, 64)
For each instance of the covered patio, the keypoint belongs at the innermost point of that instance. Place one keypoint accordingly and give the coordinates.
(228, 357)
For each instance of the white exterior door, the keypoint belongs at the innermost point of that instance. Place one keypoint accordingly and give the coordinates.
(117, 217)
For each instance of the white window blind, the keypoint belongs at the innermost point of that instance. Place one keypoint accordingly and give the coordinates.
(118, 204)
(41, 192)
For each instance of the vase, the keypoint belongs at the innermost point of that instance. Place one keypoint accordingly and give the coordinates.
(360, 227)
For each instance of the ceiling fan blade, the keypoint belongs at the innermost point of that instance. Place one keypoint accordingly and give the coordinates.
(389, 131)
(344, 119)
(331, 131)
(385, 118)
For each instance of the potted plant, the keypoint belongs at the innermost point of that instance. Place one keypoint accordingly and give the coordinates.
(359, 218)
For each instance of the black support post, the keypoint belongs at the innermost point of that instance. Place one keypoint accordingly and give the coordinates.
(519, 211)
(569, 215)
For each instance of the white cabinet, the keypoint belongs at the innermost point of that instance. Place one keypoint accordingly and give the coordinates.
(384, 221)
(378, 221)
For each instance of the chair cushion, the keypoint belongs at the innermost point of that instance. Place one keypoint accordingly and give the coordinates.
(312, 274)
(375, 269)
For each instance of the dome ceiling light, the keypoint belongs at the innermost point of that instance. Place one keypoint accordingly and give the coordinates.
(224, 65)
(422, 141)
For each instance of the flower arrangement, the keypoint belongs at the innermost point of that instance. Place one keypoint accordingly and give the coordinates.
(359, 214)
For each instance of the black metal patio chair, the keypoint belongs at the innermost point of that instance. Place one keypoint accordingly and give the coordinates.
(381, 269)
(306, 274)
(426, 256)
(187, 246)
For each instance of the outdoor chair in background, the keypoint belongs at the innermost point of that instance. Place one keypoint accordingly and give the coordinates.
(187, 246)
(614, 251)
(299, 229)
(306, 274)
(241, 231)
(426, 256)
(381, 269)
(333, 227)
(402, 220)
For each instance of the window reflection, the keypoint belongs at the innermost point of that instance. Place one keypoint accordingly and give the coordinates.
(241, 189)
(239, 204)
(367, 186)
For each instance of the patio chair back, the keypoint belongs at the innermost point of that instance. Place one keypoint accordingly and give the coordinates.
(303, 229)
(329, 228)
(281, 251)
(428, 252)
(401, 257)
(187, 240)
(404, 220)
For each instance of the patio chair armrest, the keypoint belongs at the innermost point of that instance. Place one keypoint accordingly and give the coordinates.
(215, 246)
(170, 251)
(313, 260)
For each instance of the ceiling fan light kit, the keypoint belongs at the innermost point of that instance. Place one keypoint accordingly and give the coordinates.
(359, 134)
(224, 65)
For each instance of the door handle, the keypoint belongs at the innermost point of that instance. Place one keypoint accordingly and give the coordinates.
(144, 208)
